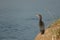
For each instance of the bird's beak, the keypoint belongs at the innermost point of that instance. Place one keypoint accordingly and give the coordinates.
(37, 15)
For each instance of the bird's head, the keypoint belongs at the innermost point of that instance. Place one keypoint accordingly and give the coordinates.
(39, 16)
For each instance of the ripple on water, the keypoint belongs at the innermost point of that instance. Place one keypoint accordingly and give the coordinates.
(5, 38)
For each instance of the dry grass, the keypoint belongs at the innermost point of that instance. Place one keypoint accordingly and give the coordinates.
(56, 32)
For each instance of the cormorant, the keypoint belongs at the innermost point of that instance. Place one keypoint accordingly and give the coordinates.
(41, 23)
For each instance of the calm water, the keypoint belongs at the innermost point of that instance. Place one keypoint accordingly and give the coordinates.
(18, 25)
(18, 20)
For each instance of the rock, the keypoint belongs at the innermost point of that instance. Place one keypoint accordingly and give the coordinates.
(51, 33)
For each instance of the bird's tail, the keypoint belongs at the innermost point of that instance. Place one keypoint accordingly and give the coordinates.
(42, 31)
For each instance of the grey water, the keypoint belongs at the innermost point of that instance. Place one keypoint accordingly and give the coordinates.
(18, 19)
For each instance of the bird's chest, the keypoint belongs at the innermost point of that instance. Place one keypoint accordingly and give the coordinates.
(41, 23)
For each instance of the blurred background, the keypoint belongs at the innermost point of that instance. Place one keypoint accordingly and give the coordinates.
(18, 19)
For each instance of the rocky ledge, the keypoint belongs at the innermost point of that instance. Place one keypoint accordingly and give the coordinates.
(51, 33)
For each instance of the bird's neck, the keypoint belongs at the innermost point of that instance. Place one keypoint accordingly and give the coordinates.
(40, 19)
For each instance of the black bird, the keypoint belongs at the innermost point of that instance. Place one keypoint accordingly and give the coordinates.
(41, 23)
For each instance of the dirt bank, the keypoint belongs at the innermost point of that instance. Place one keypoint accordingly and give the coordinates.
(51, 33)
